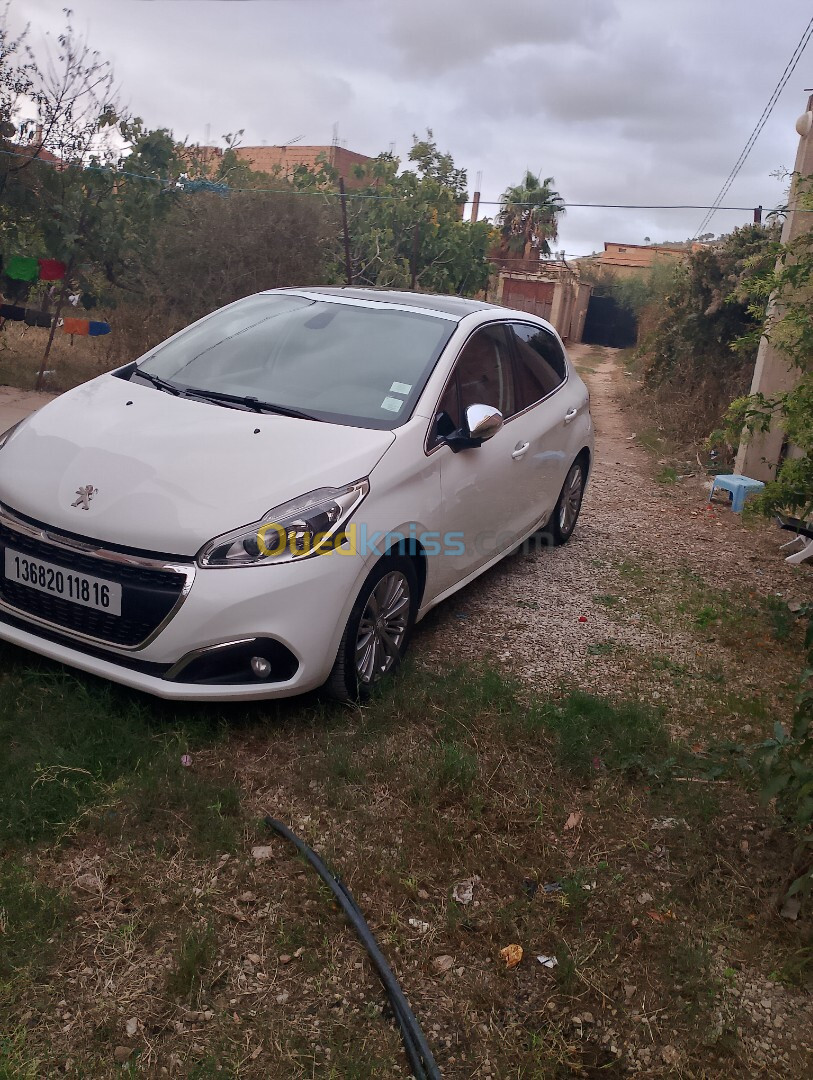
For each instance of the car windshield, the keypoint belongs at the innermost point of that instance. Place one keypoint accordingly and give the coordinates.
(359, 364)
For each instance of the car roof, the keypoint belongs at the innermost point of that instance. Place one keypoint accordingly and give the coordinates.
(459, 306)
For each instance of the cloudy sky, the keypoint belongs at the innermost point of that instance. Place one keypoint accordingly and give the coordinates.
(622, 101)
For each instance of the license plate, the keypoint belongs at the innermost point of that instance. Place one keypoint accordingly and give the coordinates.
(90, 592)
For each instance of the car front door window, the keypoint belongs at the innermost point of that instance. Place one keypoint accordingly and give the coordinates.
(483, 375)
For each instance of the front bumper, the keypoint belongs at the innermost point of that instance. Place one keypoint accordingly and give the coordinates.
(302, 607)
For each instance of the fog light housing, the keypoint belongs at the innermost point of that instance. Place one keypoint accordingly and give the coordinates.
(260, 667)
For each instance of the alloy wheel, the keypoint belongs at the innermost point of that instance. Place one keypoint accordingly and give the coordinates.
(571, 499)
(382, 627)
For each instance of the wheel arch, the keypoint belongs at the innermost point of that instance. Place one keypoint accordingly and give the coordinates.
(586, 458)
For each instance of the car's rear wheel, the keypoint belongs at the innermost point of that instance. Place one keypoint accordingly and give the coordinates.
(563, 519)
(378, 629)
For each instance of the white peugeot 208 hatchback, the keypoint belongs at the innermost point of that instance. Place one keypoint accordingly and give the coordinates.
(269, 500)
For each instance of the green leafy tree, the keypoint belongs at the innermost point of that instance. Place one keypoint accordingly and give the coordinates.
(407, 228)
(529, 216)
(698, 316)
(87, 183)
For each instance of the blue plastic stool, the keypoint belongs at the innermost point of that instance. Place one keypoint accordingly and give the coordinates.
(739, 486)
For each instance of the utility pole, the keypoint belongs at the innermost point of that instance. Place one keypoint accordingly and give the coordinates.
(348, 269)
(760, 454)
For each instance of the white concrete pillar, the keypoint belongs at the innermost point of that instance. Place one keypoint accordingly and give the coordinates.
(759, 454)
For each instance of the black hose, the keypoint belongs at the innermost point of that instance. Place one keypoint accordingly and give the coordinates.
(417, 1049)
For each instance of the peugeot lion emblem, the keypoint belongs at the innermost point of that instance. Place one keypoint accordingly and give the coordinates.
(85, 495)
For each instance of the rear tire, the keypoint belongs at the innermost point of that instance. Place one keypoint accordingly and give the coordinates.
(378, 630)
(563, 519)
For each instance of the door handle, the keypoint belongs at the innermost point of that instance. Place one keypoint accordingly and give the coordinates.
(520, 450)
(571, 414)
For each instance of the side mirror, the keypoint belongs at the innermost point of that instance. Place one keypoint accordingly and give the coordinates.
(483, 422)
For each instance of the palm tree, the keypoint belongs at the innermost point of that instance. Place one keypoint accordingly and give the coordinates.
(529, 214)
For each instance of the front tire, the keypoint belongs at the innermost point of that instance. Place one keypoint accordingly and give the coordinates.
(378, 630)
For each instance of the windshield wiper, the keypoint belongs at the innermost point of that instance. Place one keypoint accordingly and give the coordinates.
(252, 403)
(162, 384)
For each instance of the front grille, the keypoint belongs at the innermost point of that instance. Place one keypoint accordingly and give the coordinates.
(148, 596)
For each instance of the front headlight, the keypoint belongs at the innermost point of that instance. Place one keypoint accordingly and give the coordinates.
(310, 525)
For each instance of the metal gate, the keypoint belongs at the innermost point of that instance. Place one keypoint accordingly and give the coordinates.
(608, 323)
(528, 295)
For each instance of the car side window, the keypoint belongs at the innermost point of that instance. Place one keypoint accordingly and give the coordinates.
(483, 375)
(484, 371)
(541, 365)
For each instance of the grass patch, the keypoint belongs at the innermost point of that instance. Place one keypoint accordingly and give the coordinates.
(70, 740)
(608, 601)
(179, 806)
(593, 732)
(15, 1064)
(31, 918)
(601, 648)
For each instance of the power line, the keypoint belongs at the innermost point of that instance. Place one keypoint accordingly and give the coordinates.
(790, 67)
(177, 184)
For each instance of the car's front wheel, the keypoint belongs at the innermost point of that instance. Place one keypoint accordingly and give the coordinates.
(378, 630)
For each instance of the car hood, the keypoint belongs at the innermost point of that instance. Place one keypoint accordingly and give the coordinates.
(170, 473)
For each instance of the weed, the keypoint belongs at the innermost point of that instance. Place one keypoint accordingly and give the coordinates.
(565, 972)
(195, 954)
(665, 663)
(212, 1067)
(291, 936)
(67, 740)
(707, 616)
(689, 966)
(781, 618)
(797, 970)
(601, 648)
(633, 570)
(609, 600)
(456, 767)
(667, 475)
(651, 440)
(341, 763)
(576, 892)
